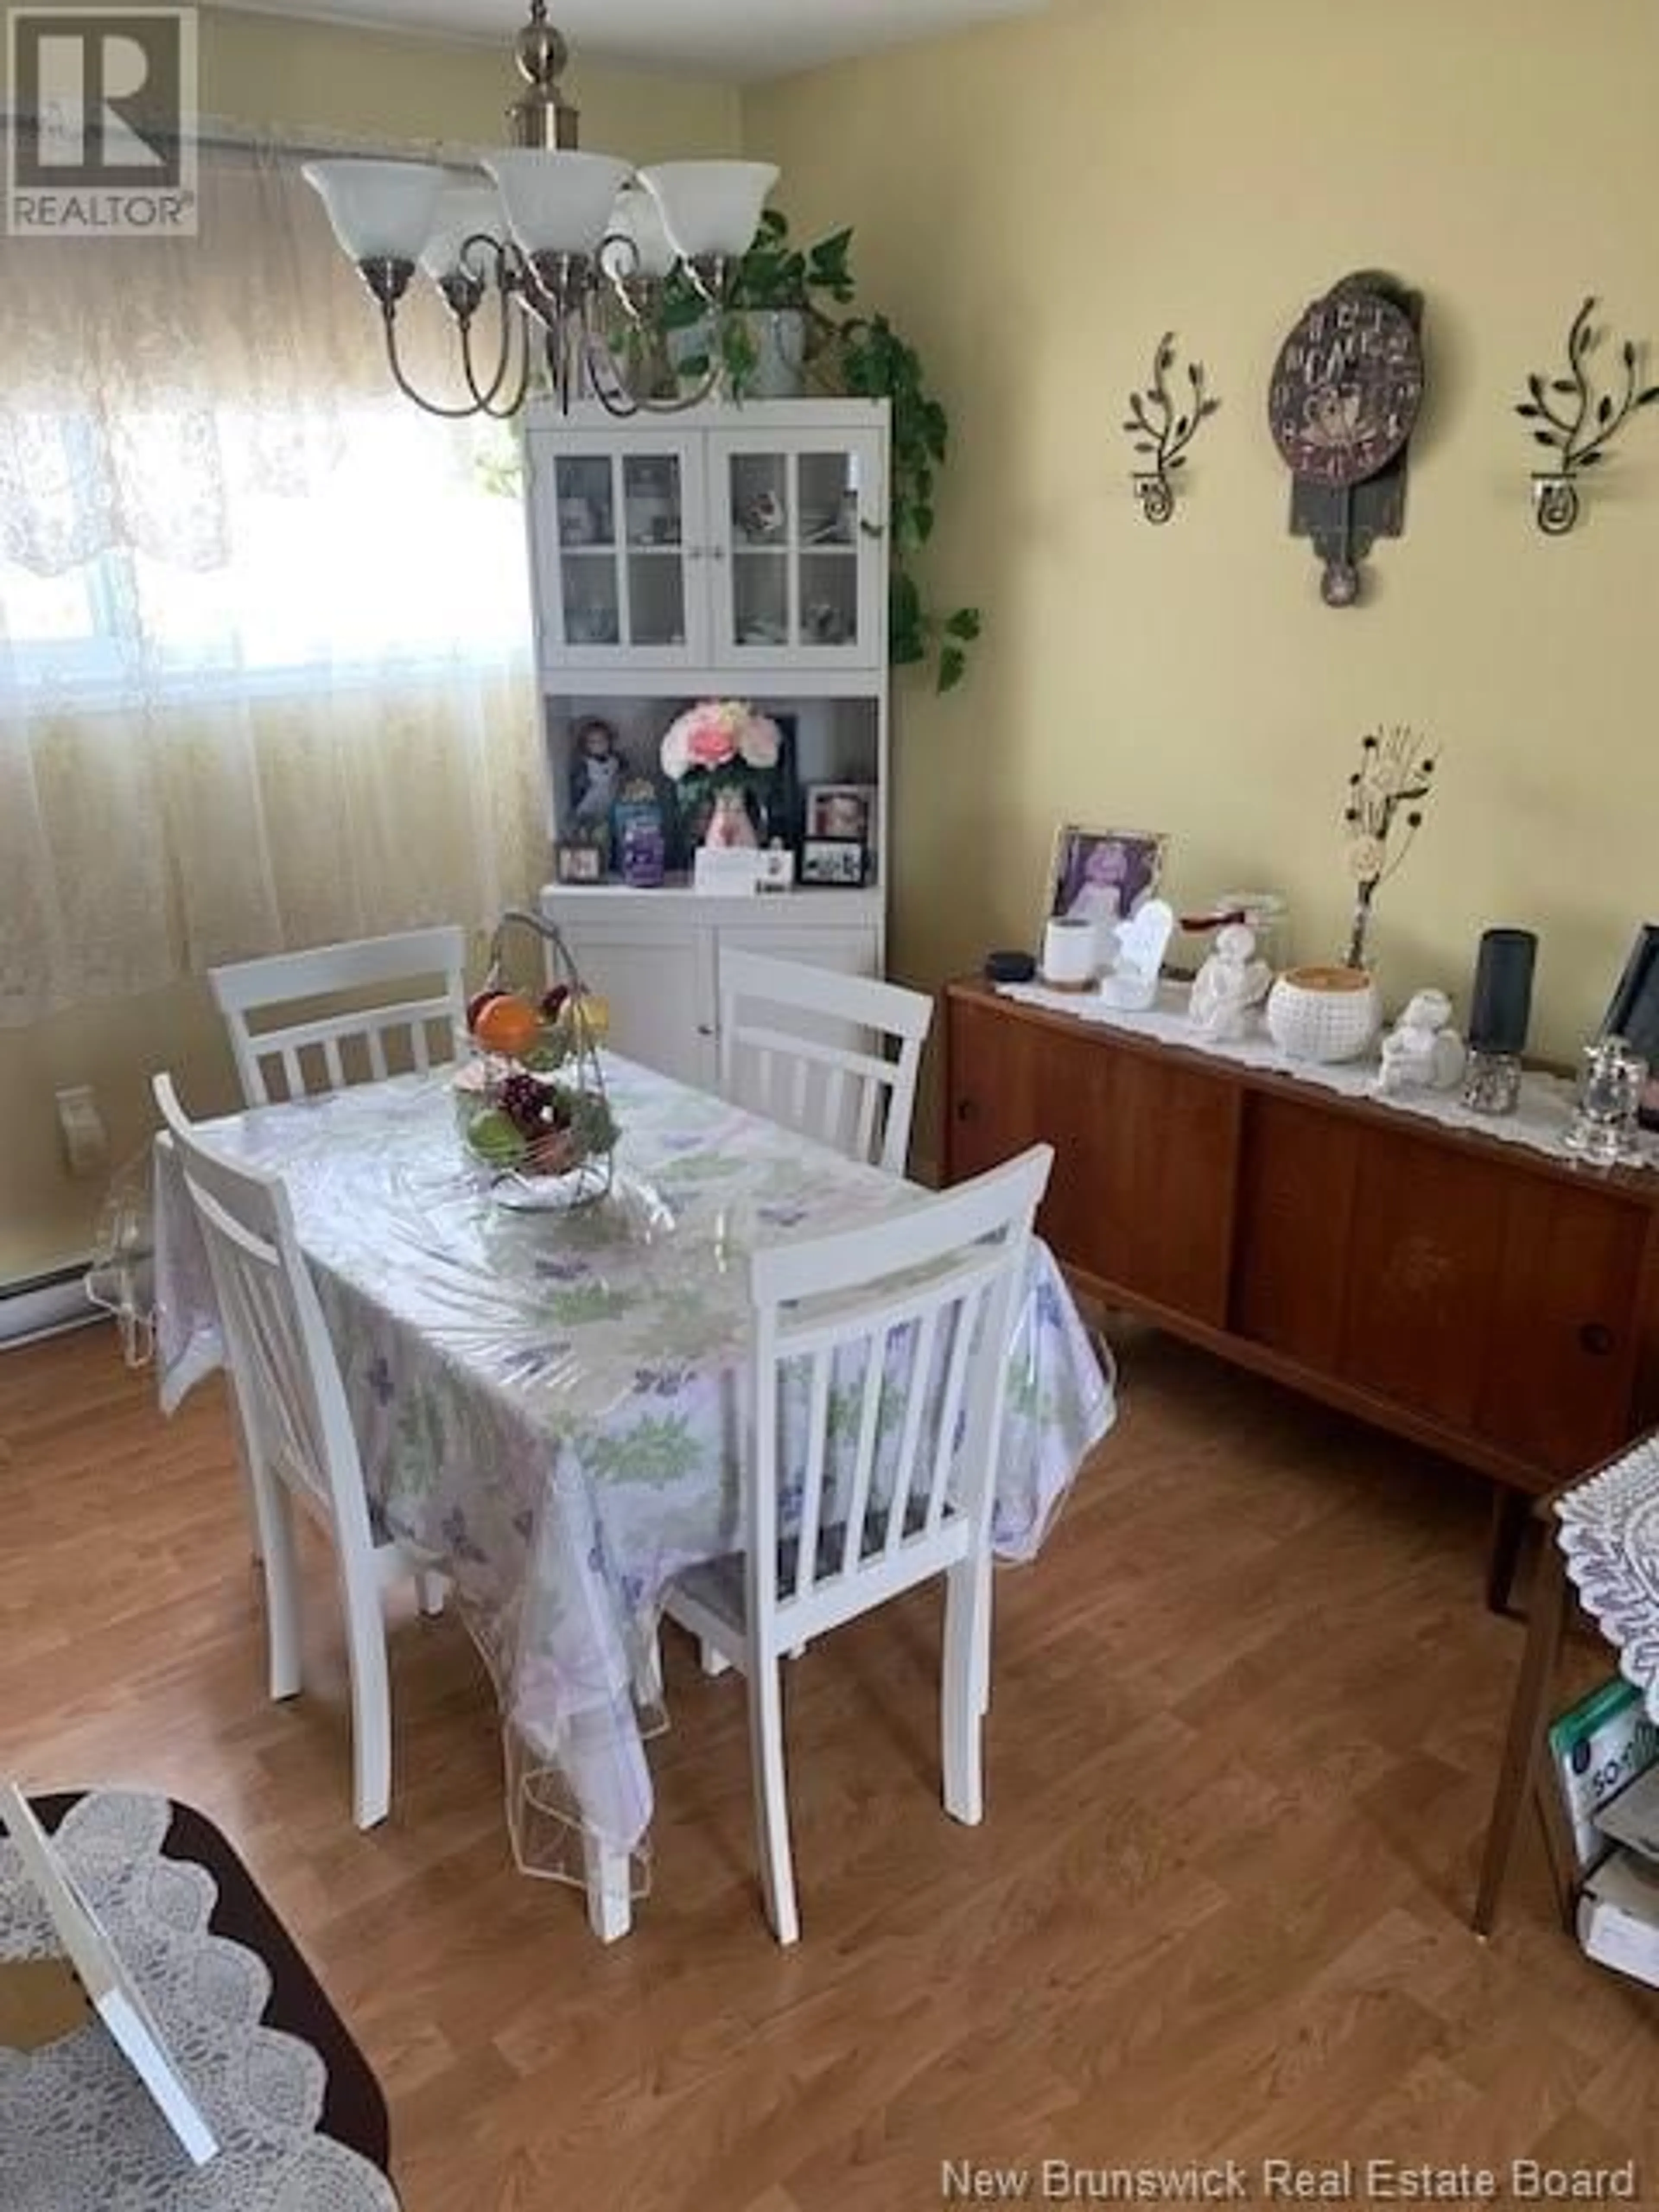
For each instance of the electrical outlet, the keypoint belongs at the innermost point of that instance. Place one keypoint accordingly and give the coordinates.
(81, 1126)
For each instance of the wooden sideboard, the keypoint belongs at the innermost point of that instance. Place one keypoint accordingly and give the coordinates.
(1476, 1296)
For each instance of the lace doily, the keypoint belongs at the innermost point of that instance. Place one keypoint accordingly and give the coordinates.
(76, 2127)
(1609, 1534)
(1539, 1121)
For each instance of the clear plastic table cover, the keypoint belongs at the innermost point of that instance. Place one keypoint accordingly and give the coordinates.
(549, 1405)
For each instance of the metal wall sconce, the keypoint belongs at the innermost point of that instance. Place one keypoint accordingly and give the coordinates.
(1163, 427)
(1578, 425)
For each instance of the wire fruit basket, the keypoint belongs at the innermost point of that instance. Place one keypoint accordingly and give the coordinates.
(531, 1099)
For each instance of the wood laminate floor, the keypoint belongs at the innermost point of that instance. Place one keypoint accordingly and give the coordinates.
(1246, 1716)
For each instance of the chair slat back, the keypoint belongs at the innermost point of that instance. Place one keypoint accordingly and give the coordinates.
(881, 1357)
(854, 1085)
(277, 1342)
(328, 1052)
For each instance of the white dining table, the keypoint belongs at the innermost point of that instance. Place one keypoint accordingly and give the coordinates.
(549, 1405)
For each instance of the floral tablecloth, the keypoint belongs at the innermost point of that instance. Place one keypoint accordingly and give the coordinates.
(549, 1406)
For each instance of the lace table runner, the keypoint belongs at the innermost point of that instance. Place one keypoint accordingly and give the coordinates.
(77, 2130)
(1609, 1533)
(1539, 1120)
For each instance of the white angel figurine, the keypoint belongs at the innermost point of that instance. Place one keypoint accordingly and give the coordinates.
(1230, 983)
(1421, 1051)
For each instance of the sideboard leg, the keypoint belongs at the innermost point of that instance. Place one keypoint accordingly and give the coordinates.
(1511, 1513)
(1527, 1719)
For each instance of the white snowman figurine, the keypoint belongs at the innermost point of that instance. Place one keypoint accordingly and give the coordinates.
(1231, 982)
(1422, 1051)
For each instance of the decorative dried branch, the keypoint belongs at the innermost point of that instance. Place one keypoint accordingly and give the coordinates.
(1386, 795)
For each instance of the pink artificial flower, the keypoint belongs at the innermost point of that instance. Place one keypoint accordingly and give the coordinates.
(709, 741)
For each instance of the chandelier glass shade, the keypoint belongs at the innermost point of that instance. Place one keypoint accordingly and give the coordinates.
(573, 250)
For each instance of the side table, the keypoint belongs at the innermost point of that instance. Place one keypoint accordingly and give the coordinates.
(1601, 1539)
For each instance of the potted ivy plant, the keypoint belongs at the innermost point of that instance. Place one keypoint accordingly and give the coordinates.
(869, 359)
(773, 320)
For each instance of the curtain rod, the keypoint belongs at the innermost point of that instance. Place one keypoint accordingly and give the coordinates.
(223, 134)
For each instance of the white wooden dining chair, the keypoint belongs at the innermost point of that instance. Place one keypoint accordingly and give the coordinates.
(843, 1093)
(894, 1339)
(297, 1437)
(317, 1052)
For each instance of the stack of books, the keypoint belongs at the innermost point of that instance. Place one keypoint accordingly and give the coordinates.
(1606, 1756)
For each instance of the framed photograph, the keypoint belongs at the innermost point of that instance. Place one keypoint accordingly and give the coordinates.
(1633, 1014)
(1102, 875)
(841, 811)
(579, 864)
(838, 860)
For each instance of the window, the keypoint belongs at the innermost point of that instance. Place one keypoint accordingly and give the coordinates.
(398, 553)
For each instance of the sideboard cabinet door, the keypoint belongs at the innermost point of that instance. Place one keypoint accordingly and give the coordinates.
(1145, 1150)
(1566, 1341)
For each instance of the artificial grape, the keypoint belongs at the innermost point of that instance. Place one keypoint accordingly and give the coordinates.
(524, 1101)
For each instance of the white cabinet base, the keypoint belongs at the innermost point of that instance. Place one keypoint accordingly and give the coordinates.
(655, 956)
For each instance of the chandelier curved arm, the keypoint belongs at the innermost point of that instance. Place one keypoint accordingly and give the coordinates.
(508, 284)
(476, 254)
(412, 392)
(638, 297)
(509, 407)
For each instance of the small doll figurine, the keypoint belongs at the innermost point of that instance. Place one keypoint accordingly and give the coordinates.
(1230, 983)
(1421, 1051)
(595, 781)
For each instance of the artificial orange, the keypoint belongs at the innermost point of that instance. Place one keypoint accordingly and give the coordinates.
(509, 1024)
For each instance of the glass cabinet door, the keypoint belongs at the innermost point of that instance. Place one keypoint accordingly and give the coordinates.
(614, 523)
(800, 551)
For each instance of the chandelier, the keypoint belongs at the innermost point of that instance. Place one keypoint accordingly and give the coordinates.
(575, 249)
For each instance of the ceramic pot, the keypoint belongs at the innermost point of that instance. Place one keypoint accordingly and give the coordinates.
(777, 339)
(1324, 1014)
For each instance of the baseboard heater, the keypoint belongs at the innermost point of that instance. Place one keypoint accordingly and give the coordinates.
(45, 1305)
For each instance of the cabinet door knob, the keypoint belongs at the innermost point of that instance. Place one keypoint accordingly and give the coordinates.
(705, 1028)
(964, 1109)
(1596, 1338)
(717, 553)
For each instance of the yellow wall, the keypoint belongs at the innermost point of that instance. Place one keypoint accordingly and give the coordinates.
(296, 77)
(1036, 202)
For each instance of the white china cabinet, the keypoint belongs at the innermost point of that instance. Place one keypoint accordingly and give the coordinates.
(726, 552)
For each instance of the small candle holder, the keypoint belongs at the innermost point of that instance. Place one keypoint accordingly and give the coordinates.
(1602, 1131)
(1492, 1082)
(1500, 1006)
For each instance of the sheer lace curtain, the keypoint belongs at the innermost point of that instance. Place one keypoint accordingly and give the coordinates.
(265, 668)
